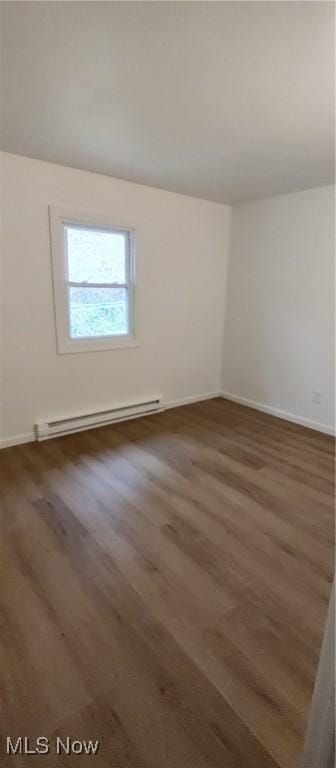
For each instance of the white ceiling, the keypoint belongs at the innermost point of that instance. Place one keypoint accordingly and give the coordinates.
(223, 100)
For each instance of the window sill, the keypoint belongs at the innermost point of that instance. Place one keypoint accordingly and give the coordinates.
(96, 345)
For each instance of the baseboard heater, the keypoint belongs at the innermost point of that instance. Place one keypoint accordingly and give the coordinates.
(44, 430)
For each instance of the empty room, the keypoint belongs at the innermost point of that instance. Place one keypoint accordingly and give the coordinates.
(167, 384)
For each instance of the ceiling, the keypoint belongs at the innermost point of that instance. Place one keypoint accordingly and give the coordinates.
(227, 101)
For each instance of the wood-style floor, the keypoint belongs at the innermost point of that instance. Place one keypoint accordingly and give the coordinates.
(165, 586)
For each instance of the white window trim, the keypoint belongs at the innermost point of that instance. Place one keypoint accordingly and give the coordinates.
(65, 344)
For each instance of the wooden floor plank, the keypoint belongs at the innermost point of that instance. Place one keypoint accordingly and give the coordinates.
(164, 588)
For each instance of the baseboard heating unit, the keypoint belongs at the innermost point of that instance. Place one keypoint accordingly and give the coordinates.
(57, 427)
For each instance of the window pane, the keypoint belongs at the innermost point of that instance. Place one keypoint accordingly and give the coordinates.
(98, 312)
(95, 257)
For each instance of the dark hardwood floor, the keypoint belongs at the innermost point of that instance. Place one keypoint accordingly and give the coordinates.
(165, 584)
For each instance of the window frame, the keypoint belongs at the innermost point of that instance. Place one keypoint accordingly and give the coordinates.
(59, 219)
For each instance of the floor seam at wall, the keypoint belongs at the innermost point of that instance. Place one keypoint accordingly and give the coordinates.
(9, 442)
(327, 429)
(28, 437)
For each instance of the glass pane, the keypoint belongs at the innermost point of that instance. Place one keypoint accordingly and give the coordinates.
(98, 312)
(96, 257)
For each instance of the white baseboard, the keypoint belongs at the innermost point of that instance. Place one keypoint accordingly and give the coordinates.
(301, 420)
(192, 399)
(28, 437)
(8, 442)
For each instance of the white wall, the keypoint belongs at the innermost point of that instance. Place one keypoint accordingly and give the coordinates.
(277, 298)
(182, 249)
(278, 338)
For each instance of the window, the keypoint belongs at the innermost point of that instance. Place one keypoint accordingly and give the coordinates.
(93, 276)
